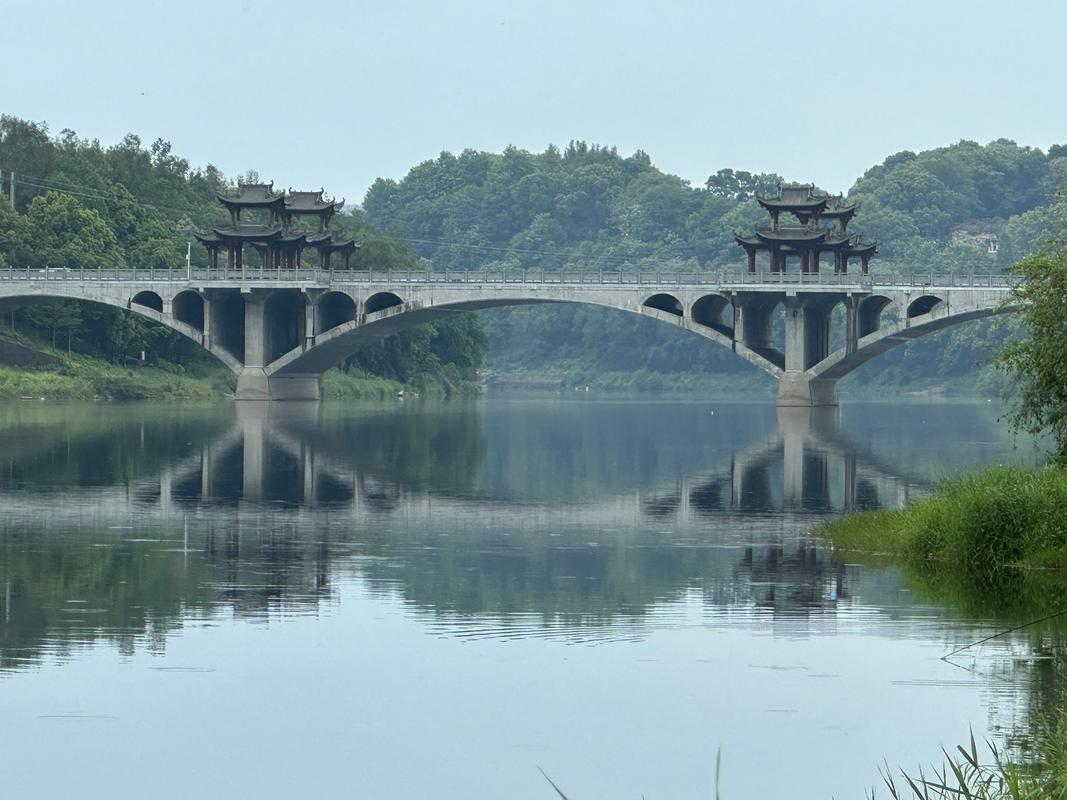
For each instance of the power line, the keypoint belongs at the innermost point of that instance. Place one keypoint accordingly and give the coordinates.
(77, 190)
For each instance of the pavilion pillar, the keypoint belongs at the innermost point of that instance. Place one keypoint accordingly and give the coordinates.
(866, 261)
(805, 263)
(813, 263)
(751, 260)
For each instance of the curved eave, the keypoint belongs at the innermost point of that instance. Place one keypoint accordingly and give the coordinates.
(242, 202)
(864, 249)
(808, 207)
(248, 235)
(792, 237)
(838, 213)
(340, 247)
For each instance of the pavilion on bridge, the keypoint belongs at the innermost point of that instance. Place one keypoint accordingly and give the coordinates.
(275, 236)
(807, 239)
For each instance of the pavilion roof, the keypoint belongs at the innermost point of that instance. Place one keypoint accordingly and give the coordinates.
(836, 207)
(252, 195)
(311, 203)
(795, 198)
(248, 233)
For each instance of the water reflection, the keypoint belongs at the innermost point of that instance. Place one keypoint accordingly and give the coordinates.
(120, 525)
(677, 530)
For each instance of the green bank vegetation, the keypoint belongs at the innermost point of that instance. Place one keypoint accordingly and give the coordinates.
(995, 542)
(1002, 516)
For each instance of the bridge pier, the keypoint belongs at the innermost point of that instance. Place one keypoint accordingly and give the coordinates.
(796, 388)
(253, 383)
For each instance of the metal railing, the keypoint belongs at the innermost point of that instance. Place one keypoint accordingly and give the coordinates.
(317, 277)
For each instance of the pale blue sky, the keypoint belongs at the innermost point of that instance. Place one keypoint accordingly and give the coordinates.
(338, 93)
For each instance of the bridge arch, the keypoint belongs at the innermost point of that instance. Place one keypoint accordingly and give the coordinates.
(334, 345)
(921, 306)
(188, 307)
(665, 302)
(74, 291)
(283, 318)
(869, 313)
(148, 299)
(842, 362)
(333, 309)
(710, 311)
(381, 301)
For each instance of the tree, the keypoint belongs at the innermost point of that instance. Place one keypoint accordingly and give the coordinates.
(67, 234)
(1040, 362)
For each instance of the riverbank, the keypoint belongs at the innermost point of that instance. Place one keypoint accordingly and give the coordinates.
(79, 377)
(1001, 516)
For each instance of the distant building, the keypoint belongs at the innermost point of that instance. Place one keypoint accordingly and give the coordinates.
(276, 238)
(987, 240)
(807, 240)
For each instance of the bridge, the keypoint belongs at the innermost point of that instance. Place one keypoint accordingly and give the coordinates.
(279, 330)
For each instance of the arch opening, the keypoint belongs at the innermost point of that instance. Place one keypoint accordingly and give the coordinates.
(763, 327)
(709, 311)
(923, 305)
(188, 307)
(333, 309)
(149, 300)
(381, 301)
(869, 314)
(665, 302)
(283, 321)
(228, 322)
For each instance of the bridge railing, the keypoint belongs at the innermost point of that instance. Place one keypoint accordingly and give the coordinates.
(197, 276)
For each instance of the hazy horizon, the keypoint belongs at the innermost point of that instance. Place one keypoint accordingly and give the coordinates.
(369, 90)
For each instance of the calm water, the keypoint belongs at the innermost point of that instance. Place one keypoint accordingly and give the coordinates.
(431, 601)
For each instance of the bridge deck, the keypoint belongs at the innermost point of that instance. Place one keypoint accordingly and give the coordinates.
(719, 279)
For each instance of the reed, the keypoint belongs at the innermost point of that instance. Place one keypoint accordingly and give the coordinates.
(999, 516)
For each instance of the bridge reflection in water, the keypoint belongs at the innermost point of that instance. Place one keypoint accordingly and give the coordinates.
(282, 455)
(492, 520)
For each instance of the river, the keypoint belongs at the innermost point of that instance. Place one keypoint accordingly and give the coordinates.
(435, 600)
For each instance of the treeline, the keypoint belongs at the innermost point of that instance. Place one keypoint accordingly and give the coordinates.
(588, 207)
(81, 205)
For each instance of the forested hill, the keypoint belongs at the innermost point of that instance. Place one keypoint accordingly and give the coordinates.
(590, 207)
(84, 205)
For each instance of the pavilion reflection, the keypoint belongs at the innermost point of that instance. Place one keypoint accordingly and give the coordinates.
(266, 510)
(807, 464)
(287, 456)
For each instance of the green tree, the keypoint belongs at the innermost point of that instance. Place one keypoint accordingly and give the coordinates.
(1039, 362)
(65, 233)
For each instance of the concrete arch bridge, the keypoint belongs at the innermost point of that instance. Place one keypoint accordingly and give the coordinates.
(280, 330)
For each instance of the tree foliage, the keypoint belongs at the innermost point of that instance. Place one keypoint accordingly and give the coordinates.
(1040, 361)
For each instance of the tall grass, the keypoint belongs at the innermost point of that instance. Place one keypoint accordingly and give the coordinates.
(1002, 515)
(966, 775)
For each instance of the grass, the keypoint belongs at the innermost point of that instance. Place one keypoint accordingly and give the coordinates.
(997, 517)
(966, 775)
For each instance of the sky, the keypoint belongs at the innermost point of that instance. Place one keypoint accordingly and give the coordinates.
(336, 94)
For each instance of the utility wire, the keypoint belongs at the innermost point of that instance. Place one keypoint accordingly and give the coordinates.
(1004, 632)
(66, 187)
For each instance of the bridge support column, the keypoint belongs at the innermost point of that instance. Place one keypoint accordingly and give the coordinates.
(807, 342)
(252, 381)
(797, 388)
